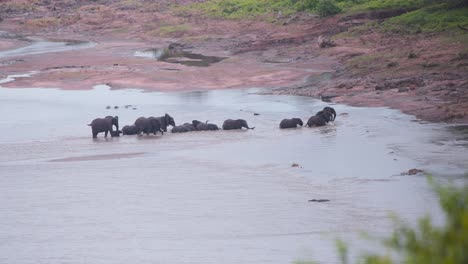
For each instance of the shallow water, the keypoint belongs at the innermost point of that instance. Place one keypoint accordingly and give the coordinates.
(206, 197)
(180, 57)
(39, 46)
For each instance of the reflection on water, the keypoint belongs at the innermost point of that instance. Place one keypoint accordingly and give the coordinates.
(178, 56)
(205, 197)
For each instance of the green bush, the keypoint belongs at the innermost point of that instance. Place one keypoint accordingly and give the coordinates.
(327, 8)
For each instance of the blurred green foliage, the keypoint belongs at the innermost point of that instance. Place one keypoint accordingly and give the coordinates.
(426, 243)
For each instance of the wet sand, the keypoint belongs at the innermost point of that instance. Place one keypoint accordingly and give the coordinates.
(207, 197)
(119, 63)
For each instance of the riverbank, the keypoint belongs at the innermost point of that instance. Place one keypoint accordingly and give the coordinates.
(422, 74)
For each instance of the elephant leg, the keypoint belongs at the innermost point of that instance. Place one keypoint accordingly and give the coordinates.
(95, 135)
(105, 133)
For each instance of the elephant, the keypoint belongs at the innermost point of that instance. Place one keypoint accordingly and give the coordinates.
(148, 125)
(187, 127)
(204, 126)
(105, 125)
(331, 111)
(116, 133)
(320, 119)
(231, 124)
(290, 123)
(326, 115)
(165, 121)
(129, 130)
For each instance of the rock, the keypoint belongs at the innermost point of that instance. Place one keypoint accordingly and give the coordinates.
(412, 172)
(295, 165)
(403, 89)
(256, 114)
(319, 200)
(415, 171)
(116, 107)
(327, 98)
(324, 42)
(379, 87)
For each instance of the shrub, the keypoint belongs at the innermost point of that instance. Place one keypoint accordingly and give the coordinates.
(327, 8)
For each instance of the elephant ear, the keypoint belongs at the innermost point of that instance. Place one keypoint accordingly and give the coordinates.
(166, 118)
(116, 117)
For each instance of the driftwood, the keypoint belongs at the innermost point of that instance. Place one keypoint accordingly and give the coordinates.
(324, 42)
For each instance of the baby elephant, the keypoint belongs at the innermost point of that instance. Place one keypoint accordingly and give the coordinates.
(204, 126)
(320, 119)
(183, 128)
(290, 123)
(115, 133)
(231, 124)
(129, 130)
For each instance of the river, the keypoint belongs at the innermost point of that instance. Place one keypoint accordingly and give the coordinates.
(207, 197)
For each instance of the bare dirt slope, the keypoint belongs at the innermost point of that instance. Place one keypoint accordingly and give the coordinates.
(366, 68)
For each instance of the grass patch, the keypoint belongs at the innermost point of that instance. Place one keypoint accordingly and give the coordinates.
(367, 5)
(430, 19)
(171, 30)
(238, 9)
(429, 16)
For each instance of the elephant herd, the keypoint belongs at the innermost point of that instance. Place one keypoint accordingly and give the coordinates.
(324, 116)
(148, 125)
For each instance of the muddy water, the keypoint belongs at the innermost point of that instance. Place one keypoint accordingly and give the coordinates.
(179, 56)
(206, 197)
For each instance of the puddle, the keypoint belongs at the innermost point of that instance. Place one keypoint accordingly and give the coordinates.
(206, 197)
(180, 57)
(40, 46)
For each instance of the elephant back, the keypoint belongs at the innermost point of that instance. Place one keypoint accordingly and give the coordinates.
(141, 124)
(154, 124)
(231, 124)
(287, 123)
(316, 121)
(129, 130)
